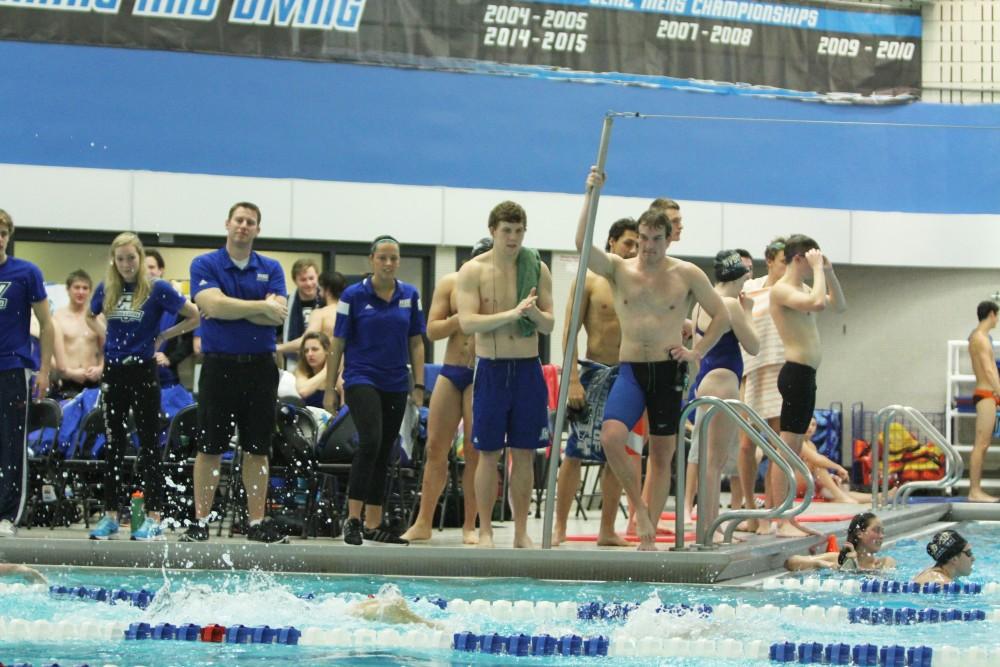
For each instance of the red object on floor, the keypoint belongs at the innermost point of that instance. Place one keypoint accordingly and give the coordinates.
(213, 633)
(660, 539)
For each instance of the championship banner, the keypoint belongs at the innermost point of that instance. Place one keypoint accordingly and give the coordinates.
(793, 46)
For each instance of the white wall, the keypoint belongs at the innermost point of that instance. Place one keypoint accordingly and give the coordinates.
(197, 204)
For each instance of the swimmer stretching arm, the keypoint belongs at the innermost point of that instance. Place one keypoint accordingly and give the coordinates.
(441, 324)
(711, 303)
(600, 262)
(21, 571)
(835, 294)
(813, 301)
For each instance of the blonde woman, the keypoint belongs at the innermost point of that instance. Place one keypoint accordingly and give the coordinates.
(126, 310)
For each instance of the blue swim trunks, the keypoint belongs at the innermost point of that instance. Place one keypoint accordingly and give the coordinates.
(510, 405)
(460, 376)
(656, 386)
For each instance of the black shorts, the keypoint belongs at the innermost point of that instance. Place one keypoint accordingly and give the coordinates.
(657, 387)
(797, 385)
(240, 391)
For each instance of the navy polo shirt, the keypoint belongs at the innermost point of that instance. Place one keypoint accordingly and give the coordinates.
(262, 276)
(377, 333)
(21, 285)
(131, 330)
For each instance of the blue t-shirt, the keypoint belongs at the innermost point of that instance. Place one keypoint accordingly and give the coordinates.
(21, 285)
(262, 276)
(377, 333)
(131, 331)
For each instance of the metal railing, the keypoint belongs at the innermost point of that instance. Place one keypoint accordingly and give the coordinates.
(764, 437)
(954, 468)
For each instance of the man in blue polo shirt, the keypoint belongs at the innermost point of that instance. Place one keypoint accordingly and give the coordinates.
(21, 292)
(241, 295)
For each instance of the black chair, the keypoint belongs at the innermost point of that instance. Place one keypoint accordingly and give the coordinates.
(81, 466)
(178, 463)
(45, 419)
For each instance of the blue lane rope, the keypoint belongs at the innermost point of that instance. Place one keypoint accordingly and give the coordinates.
(845, 654)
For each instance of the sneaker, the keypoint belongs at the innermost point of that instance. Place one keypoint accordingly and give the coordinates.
(105, 529)
(148, 531)
(7, 528)
(196, 532)
(353, 532)
(386, 535)
(266, 531)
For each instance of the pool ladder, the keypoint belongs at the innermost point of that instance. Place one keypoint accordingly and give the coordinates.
(757, 429)
(954, 468)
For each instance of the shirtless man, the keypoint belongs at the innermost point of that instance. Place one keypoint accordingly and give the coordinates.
(792, 308)
(510, 397)
(79, 352)
(451, 402)
(597, 315)
(653, 294)
(673, 212)
(986, 396)
(332, 285)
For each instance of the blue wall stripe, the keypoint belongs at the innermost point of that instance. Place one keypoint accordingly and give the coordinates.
(182, 112)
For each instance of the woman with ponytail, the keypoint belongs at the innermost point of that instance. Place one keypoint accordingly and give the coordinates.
(860, 551)
(126, 310)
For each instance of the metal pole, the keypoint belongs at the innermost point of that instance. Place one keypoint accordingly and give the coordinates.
(574, 323)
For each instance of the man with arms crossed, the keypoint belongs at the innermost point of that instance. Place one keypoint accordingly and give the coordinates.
(653, 295)
(986, 396)
(792, 308)
(22, 291)
(510, 397)
(451, 402)
(241, 295)
(598, 370)
(79, 352)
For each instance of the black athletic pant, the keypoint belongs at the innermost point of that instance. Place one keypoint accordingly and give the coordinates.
(377, 415)
(134, 386)
(13, 449)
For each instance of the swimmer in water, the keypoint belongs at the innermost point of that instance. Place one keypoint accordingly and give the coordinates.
(29, 574)
(864, 540)
(952, 559)
(388, 606)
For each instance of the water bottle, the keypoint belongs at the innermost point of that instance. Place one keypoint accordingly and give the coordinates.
(138, 510)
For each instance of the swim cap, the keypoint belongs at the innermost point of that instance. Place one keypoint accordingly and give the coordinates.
(484, 244)
(945, 545)
(729, 266)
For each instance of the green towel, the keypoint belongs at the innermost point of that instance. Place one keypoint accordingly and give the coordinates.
(529, 269)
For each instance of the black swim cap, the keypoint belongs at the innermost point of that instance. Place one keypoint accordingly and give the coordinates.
(945, 545)
(729, 266)
(484, 244)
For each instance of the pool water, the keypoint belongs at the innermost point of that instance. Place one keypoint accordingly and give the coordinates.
(257, 598)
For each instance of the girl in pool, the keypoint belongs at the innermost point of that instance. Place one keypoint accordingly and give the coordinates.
(864, 540)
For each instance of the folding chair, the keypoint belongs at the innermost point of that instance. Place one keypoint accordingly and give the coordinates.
(44, 421)
(178, 462)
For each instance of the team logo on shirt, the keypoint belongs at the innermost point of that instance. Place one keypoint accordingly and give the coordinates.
(4, 286)
(123, 310)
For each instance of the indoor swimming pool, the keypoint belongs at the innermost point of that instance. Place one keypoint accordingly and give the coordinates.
(72, 621)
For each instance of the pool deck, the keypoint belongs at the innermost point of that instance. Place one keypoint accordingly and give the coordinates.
(445, 555)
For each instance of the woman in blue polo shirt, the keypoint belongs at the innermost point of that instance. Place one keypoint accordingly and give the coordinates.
(379, 328)
(126, 310)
